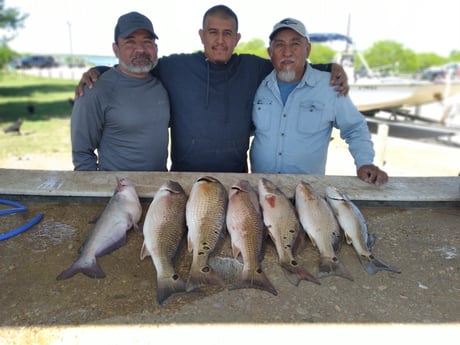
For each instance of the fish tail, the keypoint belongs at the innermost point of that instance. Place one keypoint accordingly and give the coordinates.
(93, 270)
(255, 279)
(332, 267)
(169, 286)
(203, 276)
(372, 265)
(295, 273)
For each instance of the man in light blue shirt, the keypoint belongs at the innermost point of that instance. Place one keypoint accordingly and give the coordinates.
(295, 110)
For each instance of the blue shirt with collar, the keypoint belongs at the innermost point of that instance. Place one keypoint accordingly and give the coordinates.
(293, 138)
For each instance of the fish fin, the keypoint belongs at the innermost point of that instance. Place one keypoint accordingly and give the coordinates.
(372, 265)
(256, 279)
(133, 224)
(203, 276)
(94, 220)
(313, 241)
(92, 271)
(348, 239)
(168, 287)
(144, 252)
(137, 228)
(300, 243)
(271, 200)
(228, 268)
(294, 273)
(370, 241)
(332, 267)
(235, 251)
(189, 244)
(337, 245)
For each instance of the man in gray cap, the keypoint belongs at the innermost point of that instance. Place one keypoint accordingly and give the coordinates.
(295, 110)
(123, 124)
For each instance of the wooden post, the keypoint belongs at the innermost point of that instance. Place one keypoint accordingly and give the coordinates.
(381, 144)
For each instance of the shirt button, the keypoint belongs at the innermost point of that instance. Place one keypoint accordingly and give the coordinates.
(279, 153)
(284, 115)
(282, 134)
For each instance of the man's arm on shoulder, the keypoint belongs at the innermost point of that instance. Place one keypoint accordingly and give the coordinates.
(339, 77)
(88, 78)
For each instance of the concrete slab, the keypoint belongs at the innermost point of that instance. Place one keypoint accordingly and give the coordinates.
(101, 184)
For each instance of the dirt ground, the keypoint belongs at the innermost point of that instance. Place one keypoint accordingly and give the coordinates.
(423, 243)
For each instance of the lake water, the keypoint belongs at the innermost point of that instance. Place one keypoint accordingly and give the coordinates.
(100, 60)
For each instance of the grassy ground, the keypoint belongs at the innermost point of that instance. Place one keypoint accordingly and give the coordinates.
(43, 105)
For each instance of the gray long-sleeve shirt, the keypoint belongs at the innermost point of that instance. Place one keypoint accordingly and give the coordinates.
(122, 125)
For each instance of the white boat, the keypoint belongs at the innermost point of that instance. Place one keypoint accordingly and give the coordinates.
(372, 93)
(376, 95)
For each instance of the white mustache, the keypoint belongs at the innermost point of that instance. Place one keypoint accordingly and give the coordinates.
(288, 60)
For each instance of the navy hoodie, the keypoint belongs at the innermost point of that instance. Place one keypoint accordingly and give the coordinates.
(211, 109)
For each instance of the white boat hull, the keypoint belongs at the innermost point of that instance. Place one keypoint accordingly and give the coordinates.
(379, 96)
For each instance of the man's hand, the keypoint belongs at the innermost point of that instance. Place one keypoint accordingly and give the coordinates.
(372, 174)
(340, 79)
(88, 78)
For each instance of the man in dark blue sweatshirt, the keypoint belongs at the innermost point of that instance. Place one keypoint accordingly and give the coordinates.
(211, 96)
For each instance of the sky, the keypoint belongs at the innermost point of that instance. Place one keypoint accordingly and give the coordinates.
(85, 27)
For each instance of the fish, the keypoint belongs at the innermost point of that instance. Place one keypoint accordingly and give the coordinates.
(122, 213)
(319, 222)
(246, 228)
(282, 223)
(205, 218)
(164, 228)
(354, 226)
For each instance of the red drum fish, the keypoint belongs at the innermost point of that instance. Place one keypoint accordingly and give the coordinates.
(164, 229)
(322, 228)
(283, 226)
(205, 217)
(353, 224)
(246, 228)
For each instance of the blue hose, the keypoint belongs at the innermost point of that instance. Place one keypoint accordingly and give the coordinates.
(17, 208)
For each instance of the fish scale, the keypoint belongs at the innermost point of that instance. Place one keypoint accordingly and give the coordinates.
(283, 226)
(319, 222)
(164, 228)
(246, 228)
(205, 216)
(352, 222)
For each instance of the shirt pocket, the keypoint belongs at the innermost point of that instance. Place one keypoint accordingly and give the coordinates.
(261, 113)
(311, 117)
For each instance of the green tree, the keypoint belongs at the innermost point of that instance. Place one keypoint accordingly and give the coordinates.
(255, 46)
(454, 56)
(10, 20)
(426, 60)
(321, 53)
(390, 57)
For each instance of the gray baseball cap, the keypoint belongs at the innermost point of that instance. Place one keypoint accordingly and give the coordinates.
(293, 24)
(130, 22)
